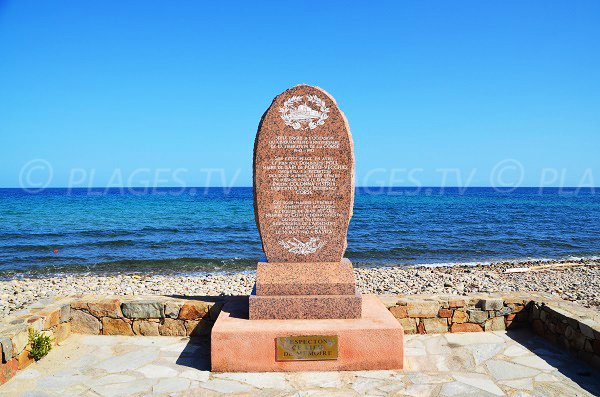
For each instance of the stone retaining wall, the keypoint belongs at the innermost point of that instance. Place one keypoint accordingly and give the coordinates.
(149, 316)
(434, 314)
(565, 324)
(50, 317)
(94, 315)
(568, 325)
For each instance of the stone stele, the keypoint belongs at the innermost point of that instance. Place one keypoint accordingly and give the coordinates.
(303, 197)
(303, 177)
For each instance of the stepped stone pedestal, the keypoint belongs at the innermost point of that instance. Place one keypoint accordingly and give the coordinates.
(305, 291)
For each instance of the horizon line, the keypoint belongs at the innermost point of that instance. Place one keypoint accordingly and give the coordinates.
(356, 187)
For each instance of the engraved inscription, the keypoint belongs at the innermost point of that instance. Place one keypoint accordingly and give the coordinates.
(305, 348)
(304, 174)
(303, 177)
(300, 115)
(296, 246)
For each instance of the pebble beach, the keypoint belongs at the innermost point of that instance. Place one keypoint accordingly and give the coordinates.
(577, 281)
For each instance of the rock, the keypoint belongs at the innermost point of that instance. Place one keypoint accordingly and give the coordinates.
(172, 327)
(422, 309)
(172, 309)
(116, 326)
(466, 327)
(106, 308)
(445, 313)
(460, 316)
(63, 331)
(198, 328)
(24, 359)
(399, 311)
(538, 327)
(495, 324)
(84, 323)
(409, 325)
(477, 316)
(215, 308)
(193, 310)
(146, 328)
(8, 370)
(454, 303)
(6, 349)
(37, 323)
(79, 304)
(491, 304)
(19, 341)
(587, 327)
(143, 310)
(388, 300)
(578, 341)
(504, 311)
(435, 325)
(51, 317)
(65, 313)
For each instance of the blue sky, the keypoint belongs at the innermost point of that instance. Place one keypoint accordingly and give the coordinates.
(99, 90)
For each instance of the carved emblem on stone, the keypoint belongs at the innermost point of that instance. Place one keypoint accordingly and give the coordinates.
(298, 112)
(303, 177)
(296, 246)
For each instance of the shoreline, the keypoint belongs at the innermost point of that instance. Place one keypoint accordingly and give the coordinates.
(563, 281)
(35, 273)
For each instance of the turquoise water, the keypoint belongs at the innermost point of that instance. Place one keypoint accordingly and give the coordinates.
(209, 230)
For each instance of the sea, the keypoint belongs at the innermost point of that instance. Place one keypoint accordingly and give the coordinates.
(212, 230)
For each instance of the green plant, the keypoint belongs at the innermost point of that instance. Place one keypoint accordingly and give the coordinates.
(41, 344)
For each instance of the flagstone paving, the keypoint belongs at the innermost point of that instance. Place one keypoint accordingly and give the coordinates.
(469, 364)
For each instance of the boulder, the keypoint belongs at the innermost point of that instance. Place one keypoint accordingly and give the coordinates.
(84, 323)
(143, 309)
(116, 326)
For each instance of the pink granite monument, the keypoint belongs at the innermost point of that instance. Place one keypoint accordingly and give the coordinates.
(305, 312)
(303, 198)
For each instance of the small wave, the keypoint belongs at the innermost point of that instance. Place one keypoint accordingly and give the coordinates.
(104, 233)
(31, 235)
(164, 229)
(29, 247)
(111, 243)
(186, 266)
(583, 258)
(40, 260)
(410, 252)
(490, 262)
(50, 248)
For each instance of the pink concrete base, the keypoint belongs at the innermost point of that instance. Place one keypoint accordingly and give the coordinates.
(375, 341)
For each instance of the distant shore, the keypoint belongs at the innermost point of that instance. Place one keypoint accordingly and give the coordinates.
(577, 280)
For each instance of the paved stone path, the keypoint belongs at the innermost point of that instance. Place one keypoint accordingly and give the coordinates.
(470, 364)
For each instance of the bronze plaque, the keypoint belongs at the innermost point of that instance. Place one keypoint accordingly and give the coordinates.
(307, 348)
